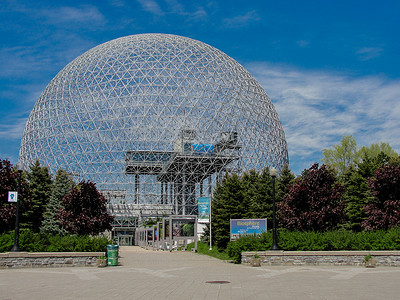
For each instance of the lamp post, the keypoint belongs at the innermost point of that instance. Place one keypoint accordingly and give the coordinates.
(273, 172)
(15, 248)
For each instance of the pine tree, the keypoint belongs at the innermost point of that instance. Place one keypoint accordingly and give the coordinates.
(257, 190)
(369, 164)
(227, 204)
(40, 186)
(356, 197)
(284, 181)
(63, 184)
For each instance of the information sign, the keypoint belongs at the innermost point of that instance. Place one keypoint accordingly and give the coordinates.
(204, 209)
(12, 196)
(247, 226)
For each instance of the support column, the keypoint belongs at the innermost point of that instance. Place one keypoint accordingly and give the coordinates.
(184, 193)
(162, 192)
(209, 186)
(137, 188)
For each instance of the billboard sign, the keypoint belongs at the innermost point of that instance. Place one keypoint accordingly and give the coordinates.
(247, 226)
(204, 209)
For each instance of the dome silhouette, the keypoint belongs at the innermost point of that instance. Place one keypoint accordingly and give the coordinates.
(154, 119)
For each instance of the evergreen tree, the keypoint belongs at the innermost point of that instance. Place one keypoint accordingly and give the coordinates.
(356, 197)
(313, 202)
(63, 184)
(245, 197)
(227, 204)
(257, 192)
(84, 210)
(40, 186)
(370, 163)
(284, 181)
(355, 180)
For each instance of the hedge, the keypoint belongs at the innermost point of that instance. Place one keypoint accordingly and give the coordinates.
(36, 242)
(317, 241)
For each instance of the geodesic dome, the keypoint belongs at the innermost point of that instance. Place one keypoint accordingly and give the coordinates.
(150, 118)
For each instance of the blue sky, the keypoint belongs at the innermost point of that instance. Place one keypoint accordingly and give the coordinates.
(331, 68)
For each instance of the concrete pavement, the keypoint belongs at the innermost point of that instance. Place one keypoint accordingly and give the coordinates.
(147, 274)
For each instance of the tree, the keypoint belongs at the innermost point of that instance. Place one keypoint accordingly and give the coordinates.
(355, 181)
(377, 148)
(342, 155)
(356, 197)
(284, 181)
(257, 192)
(384, 211)
(228, 203)
(313, 202)
(84, 210)
(9, 182)
(245, 197)
(40, 186)
(63, 184)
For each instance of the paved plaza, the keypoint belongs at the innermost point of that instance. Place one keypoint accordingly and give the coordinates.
(147, 274)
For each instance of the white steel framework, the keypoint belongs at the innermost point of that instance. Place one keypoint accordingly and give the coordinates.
(154, 119)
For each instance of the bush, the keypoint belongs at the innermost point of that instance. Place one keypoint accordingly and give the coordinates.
(204, 248)
(36, 242)
(249, 243)
(6, 242)
(317, 241)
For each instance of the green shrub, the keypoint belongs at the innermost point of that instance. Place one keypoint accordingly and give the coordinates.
(36, 242)
(6, 242)
(204, 248)
(317, 241)
(249, 243)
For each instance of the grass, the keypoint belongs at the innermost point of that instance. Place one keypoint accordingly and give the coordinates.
(203, 248)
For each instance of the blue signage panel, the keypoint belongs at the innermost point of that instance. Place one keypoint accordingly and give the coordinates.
(247, 226)
(204, 209)
(12, 196)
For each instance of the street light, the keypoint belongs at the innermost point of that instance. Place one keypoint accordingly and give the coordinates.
(15, 248)
(273, 172)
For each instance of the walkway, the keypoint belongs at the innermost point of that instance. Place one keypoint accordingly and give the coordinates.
(146, 274)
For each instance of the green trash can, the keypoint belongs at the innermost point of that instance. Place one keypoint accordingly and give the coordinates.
(112, 255)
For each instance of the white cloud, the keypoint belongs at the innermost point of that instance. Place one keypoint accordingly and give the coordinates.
(14, 128)
(317, 108)
(303, 43)
(242, 20)
(85, 14)
(175, 7)
(367, 53)
(151, 6)
(66, 15)
(117, 3)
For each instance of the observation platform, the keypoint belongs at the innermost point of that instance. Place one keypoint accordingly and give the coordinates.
(166, 165)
